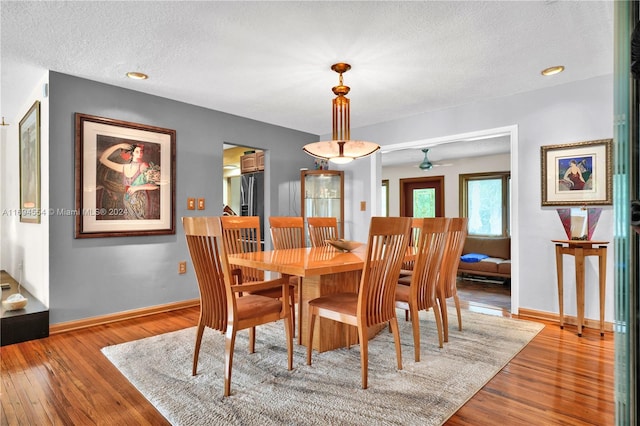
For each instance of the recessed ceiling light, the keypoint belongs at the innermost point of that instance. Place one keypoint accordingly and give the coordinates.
(552, 70)
(137, 75)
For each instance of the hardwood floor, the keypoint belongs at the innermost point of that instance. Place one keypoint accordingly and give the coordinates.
(558, 378)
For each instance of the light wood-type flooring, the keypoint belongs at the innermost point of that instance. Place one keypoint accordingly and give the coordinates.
(558, 379)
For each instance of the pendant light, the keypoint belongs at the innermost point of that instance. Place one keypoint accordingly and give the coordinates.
(426, 164)
(341, 149)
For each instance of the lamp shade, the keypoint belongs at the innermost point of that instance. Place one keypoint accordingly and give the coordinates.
(341, 152)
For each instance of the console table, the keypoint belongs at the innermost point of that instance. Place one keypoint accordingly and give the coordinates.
(579, 249)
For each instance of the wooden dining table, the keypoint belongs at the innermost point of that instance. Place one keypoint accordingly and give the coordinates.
(324, 270)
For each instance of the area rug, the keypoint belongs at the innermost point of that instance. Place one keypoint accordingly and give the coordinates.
(329, 391)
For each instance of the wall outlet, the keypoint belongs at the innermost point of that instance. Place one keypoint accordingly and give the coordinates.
(182, 267)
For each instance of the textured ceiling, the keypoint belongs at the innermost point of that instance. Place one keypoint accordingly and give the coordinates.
(270, 61)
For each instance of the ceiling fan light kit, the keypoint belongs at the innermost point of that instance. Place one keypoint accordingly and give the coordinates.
(341, 149)
(426, 164)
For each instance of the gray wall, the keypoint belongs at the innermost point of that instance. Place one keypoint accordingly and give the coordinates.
(99, 276)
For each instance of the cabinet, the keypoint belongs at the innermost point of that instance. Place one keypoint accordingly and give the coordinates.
(252, 162)
(322, 196)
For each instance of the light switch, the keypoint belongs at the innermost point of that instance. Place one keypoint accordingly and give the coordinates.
(200, 203)
(191, 203)
(363, 206)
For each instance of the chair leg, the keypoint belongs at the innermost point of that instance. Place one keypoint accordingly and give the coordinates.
(445, 316)
(312, 319)
(364, 355)
(438, 316)
(299, 310)
(457, 302)
(252, 340)
(292, 301)
(396, 338)
(196, 351)
(230, 341)
(288, 331)
(415, 325)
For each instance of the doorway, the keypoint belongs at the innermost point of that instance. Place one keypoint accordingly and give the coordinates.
(510, 132)
(422, 197)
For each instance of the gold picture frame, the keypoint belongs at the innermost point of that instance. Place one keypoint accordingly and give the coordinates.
(577, 174)
(125, 177)
(29, 147)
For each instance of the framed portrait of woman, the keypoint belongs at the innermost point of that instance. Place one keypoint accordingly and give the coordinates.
(577, 174)
(124, 177)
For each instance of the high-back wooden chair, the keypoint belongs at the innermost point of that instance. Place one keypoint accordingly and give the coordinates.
(447, 286)
(241, 234)
(287, 232)
(322, 229)
(419, 292)
(375, 301)
(220, 308)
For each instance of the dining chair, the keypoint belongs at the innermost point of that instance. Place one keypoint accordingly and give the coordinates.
(375, 301)
(220, 307)
(287, 232)
(416, 225)
(322, 229)
(449, 272)
(419, 292)
(241, 234)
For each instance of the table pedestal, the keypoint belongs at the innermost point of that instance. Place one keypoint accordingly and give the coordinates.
(579, 249)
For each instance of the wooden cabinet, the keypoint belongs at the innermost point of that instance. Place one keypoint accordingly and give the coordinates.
(252, 162)
(322, 196)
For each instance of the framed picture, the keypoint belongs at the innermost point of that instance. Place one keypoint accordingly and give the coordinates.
(125, 177)
(577, 174)
(29, 134)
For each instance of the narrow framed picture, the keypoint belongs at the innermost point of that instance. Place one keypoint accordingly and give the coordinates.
(125, 177)
(29, 135)
(577, 174)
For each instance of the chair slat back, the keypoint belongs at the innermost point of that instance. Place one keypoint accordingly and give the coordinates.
(287, 232)
(241, 234)
(204, 237)
(456, 237)
(387, 246)
(322, 229)
(416, 226)
(430, 249)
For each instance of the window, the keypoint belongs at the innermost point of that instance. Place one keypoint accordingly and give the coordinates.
(484, 199)
(385, 198)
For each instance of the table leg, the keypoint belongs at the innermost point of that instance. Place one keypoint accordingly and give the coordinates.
(579, 258)
(560, 272)
(602, 275)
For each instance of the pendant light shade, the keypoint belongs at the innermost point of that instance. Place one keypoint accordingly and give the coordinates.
(426, 164)
(341, 149)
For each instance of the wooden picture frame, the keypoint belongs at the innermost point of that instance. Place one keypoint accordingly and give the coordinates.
(29, 147)
(125, 178)
(577, 174)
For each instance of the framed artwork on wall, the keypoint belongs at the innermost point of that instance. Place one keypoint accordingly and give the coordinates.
(577, 174)
(29, 135)
(125, 178)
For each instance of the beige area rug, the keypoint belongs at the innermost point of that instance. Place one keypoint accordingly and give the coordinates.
(329, 391)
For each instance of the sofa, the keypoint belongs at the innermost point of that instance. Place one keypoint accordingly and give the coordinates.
(486, 256)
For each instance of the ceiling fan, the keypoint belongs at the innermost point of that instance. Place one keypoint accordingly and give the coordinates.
(426, 164)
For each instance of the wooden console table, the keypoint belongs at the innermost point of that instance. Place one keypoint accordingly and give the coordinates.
(579, 249)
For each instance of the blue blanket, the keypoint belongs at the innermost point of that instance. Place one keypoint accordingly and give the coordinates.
(473, 257)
